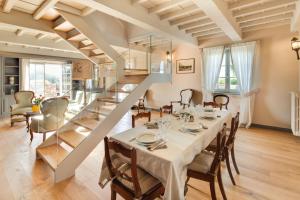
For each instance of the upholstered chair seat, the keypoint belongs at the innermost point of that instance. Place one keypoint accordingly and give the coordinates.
(147, 182)
(202, 162)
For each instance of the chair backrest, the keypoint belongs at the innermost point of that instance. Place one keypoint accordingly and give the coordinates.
(222, 99)
(221, 141)
(53, 110)
(212, 104)
(186, 96)
(141, 115)
(115, 147)
(233, 129)
(24, 98)
(166, 109)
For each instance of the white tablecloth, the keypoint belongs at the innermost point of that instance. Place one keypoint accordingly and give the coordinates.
(170, 165)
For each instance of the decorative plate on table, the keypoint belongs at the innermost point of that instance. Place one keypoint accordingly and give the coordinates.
(147, 138)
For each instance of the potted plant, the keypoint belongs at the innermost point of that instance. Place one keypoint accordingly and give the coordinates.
(36, 103)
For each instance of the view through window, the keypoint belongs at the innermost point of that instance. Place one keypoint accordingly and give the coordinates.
(50, 79)
(227, 81)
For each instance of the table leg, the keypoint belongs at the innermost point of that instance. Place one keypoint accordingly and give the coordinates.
(31, 135)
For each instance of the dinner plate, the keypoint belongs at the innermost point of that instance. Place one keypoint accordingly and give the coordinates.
(193, 126)
(147, 138)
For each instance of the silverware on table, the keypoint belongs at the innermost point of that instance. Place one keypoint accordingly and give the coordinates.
(132, 139)
(158, 145)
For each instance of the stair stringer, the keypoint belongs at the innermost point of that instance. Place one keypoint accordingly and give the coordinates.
(67, 167)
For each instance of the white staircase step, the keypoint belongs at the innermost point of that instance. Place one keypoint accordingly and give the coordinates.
(89, 123)
(53, 154)
(61, 24)
(110, 100)
(75, 35)
(127, 88)
(87, 47)
(71, 137)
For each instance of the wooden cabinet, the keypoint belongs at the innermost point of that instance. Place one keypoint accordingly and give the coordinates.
(10, 82)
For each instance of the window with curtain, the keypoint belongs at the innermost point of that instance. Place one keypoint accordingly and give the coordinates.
(50, 79)
(227, 81)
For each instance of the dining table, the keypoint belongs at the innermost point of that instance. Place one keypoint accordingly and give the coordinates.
(169, 165)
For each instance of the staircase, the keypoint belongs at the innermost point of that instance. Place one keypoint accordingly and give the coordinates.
(73, 142)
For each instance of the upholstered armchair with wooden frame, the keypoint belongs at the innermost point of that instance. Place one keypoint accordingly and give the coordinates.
(23, 105)
(185, 98)
(206, 166)
(129, 180)
(222, 99)
(52, 116)
(229, 147)
(139, 116)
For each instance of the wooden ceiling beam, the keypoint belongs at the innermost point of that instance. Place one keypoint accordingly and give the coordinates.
(166, 5)
(267, 25)
(267, 20)
(8, 5)
(295, 22)
(219, 13)
(188, 19)
(263, 7)
(243, 4)
(268, 13)
(202, 22)
(201, 28)
(180, 13)
(44, 7)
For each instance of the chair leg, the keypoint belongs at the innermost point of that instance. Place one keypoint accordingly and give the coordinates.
(113, 195)
(11, 122)
(44, 137)
(220, 182)
(31, 135)
(212, 190)
(229, 168)
(233, 160)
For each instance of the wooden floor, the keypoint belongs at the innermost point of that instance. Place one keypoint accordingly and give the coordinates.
(269, 163)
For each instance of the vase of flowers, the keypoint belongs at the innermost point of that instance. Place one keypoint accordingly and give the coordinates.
(36, 102)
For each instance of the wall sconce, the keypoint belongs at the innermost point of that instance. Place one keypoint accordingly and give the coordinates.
(168, 56)
(296, 46)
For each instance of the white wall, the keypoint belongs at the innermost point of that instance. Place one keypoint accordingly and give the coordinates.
(162, 94)
(279, 74)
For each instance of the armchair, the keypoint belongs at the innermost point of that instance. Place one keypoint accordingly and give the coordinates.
(185, 98)
(23, 105)
(52, 116)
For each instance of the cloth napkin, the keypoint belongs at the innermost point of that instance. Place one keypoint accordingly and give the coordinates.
(151, 125)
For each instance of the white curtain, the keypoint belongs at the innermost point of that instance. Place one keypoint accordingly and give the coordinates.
(25, 73)
(243, 56)
(212, 60)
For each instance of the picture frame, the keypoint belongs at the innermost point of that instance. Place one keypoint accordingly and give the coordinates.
(185, 66)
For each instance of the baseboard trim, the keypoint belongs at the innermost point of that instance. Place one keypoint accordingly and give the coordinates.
(272, 128)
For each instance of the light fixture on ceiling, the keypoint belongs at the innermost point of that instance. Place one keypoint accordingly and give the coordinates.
(296, 46)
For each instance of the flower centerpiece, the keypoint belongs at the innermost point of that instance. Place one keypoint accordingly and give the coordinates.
(36, 103)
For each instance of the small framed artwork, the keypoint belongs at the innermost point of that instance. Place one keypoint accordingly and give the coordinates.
(185, 66)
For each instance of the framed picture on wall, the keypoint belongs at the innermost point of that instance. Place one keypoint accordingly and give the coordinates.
(185, 66)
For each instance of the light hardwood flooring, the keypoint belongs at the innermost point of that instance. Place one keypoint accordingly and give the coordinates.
(269, 162)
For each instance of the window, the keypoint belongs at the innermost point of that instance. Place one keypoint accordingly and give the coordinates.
(227, 81)
(50, 79)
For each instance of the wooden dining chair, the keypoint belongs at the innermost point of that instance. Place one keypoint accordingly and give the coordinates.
(141, 103)
(212, 104)
(129, 180)
(139, 116)
(222, 99)
(206, 166)
(166, 109)
(229, 147)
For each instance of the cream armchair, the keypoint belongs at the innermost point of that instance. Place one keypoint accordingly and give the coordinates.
(51, 118)
(23, 105)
